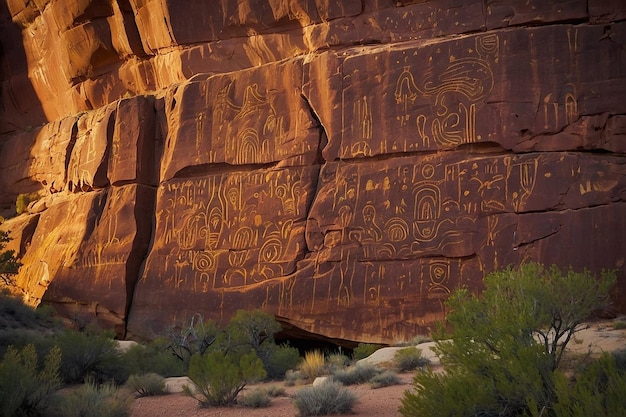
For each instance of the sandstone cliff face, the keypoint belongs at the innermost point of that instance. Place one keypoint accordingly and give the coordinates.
(344, 165)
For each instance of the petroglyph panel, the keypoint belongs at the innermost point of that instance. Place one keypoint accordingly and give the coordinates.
(490, 87)
(445, 204)
(423, 97)
(380, 299)
(231, 230)
(256, 118)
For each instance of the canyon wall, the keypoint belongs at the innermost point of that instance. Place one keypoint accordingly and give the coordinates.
(344, 165)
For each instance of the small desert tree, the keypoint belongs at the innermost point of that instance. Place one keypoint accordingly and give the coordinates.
(199, 336)
(9, 266)
(219, 377)
(506, 345)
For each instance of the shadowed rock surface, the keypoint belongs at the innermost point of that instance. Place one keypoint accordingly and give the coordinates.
(342, 165)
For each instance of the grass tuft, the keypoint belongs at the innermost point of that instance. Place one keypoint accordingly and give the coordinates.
(409, 359)
(146, 385)
(313, 365)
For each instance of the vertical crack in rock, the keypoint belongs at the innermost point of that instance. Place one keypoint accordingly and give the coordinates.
(70, 148)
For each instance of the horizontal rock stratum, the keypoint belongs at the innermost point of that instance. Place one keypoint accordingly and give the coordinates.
(344, 165)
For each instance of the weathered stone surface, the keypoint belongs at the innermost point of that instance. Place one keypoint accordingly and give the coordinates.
(342, 165)
(15, 162)
(21, 231)
(97, 280)
(222, 233)
(134, 145)
(442, 95)
(257, 117)
(88, 162)
(54, 246)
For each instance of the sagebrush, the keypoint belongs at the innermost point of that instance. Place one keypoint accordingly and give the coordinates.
(325, 399)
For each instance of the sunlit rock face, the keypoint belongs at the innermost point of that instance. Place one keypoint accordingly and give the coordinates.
(342, 165)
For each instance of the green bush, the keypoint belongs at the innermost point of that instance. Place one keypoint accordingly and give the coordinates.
(192, 339)
(358, 374)
(409, 359)
(219, 377)
(275, 391)
(247, 330)
(619, 325)
(619, 356)
(384, 379)
(146, 385)
(255, 329)
(324, 399)
(156, 357)
(21, 325)
(92, 355)
(363, 350)
(26, 390)
(293, 376)
(336, 362)
(256, 398)
(279, 360)
(9, 266)
(94, 400)
(599, 390)
(506, 346)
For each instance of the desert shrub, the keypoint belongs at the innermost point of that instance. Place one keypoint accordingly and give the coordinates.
(505, 349)
(255, 329)
(336, 361)
(363, 350)
(275, 391)
(313, 364)
(93, 400)
(219, 377)
(23, 200)
(619, 324)
(256, 398)
(247, 330)
(156, 357)
(409, 359)
(9, 266)
(25, 389)
(146, 385)
(599, 390)
(292, 377)
(197, 337)
(384, 379)
(279, 360)
(619, 356)
(324, 399)
(86, 354)
(21, 325)
(357, 374)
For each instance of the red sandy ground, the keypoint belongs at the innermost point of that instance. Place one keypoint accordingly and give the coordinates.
(381, 402)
